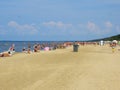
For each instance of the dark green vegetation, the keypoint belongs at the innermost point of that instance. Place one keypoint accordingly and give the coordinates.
(116, 37)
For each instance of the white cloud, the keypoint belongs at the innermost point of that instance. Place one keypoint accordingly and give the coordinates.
(51, 23)
(23, 29)
(92, 27)
(13, 24)
(57, 24)
(99, 30)
(108, 24)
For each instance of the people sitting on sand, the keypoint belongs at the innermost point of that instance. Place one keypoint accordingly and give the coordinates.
(28, 50)
(35, 48)
(24, 49)
(11, 50)
(38, 47)
(8, 53)
(5, 54)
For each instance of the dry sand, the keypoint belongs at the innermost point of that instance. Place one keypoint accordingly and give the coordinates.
(92, 68)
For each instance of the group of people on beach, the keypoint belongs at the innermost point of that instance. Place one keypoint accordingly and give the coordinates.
(46, 47)
(36, 48)
(43, 47)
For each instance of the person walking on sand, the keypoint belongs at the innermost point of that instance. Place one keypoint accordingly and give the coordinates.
(113, 45)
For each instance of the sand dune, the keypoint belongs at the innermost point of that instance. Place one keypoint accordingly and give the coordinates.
(92, 68)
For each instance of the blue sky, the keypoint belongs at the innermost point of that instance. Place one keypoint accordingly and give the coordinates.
(59, 19)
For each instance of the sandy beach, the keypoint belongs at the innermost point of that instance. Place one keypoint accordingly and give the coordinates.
(92, 68)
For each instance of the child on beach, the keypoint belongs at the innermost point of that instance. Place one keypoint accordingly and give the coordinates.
(29, 49)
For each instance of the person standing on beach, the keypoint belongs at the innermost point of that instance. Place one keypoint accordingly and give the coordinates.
(101, 43)
(35, 48)
(38, 47)
(29, 49)
(113, 45)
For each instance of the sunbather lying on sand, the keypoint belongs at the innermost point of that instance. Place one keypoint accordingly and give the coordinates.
(5, 54)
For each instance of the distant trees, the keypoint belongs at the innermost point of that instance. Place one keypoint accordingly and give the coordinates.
(116, 37)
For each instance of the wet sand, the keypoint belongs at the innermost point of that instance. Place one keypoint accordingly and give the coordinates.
(92, 68)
